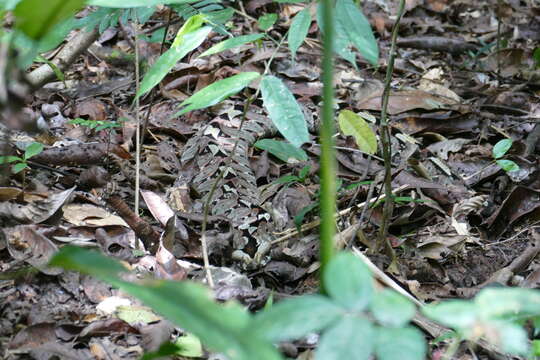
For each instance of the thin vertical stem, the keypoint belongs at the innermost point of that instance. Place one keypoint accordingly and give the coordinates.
(385, 141)
(328, 172)
(137, 118)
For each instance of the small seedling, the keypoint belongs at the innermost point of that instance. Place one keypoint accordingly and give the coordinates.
(499, 150)
(22, 163)
(98, 125)
(289, 179)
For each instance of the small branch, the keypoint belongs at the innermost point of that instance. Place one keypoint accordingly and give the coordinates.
(76, 46)
(386, 144)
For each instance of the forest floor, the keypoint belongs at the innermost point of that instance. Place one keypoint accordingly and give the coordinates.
(461, 222)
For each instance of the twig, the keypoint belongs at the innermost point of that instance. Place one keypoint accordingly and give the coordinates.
(386, 145)
(287, 234)
(137, 118)
(40, 76)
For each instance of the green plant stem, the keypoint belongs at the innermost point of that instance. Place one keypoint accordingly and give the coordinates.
(137, 120)
(385, 142)
(327, 173)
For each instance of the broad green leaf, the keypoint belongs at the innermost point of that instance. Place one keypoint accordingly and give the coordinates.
(348, 281)
(19, 167)
(512, 338)
(299, 218)
(508, 303)
(231, 43)
(501, 148)
(535, 351)
(458, 314)
(284, 111)
(192, 24)
(189, 346)
(169, 58)
(508, 165)
(406, 343)
(296, 317)
(282, 150)
(266, 21)
(9, 159)
(223, 328)
(37, 17)
(349, 338)
(32, 150)
(136, 3)
(298, 30)
(391, 308)
(342, 43)
(217, 92)
(358, 29)
(353, 124)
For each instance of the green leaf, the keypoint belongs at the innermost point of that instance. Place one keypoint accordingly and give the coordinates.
(508, 165)
(136, 3)
(510, 337)
(19, 167)
(189, 346)
(9, 159)
(282, 150)
(169, 58)
(222, 327)
(266, 21)
(284, 111)
(350, 338)
(536, 57)
(298, 30)
(459, 314)
(32, 150)
(285, 179)
(358, 29)
(342, 43)
(508, 303)
(87, 261)
(348, 281)
(217, 92)
(501, 148)
(299, 218)
(353, 124)
(231, 43)
(391, 308)
(296, 317)
(406, 343)
(36, 18)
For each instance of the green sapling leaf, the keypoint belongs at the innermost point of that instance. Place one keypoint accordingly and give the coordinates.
(32, 150)
(508, 165)
(501, 148)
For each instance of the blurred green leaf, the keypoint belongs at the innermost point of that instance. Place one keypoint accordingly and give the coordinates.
(354, 125)
(136, 3)
(9, 159)
(406, 343)
(19, 167)
(282, 150)
(217, 92)
(32, 150)
(266, 21)
(296, 317)
(358, 29)
(169, 58)
(284, 110)
(501, 148)
(350, 337)
(231, 43)
(36, 18)
(223, 328)
(298, 30)
(391, 308)
(458, 314)
(348, 281)
(508, 165)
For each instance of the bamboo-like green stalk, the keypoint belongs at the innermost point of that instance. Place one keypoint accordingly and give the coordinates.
(328, 167)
